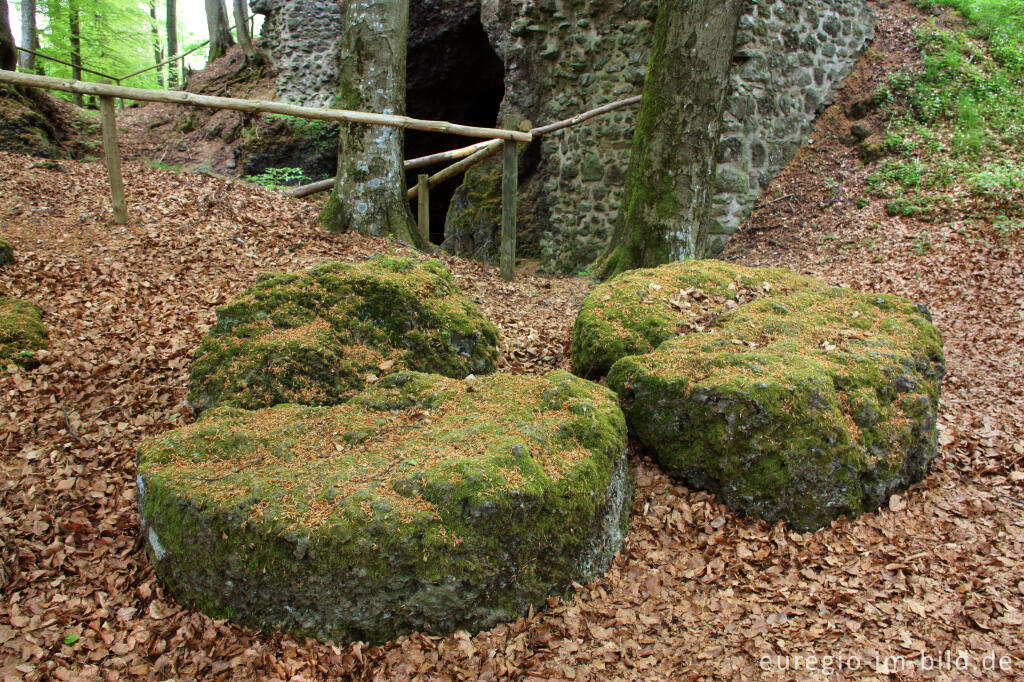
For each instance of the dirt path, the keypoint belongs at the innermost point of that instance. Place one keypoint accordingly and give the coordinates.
(697, 593)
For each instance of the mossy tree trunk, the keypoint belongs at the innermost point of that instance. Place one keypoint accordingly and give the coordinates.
(675, 148)
(217, 22)
(8, 53)
(172, 44)
(369, 192)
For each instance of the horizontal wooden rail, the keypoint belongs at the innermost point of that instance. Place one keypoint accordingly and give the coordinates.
(580, 118)
(194, 100)
(486, 152)
(410, 164)
(61, 61)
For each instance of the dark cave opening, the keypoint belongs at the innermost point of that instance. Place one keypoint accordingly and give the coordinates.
(452, 74)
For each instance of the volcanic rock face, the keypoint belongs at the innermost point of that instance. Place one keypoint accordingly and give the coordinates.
(317, 337)
(423, 504)
(802, 405)
(559, 59)
(563, 58)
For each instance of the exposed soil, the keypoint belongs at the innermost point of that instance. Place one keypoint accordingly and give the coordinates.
(696, 593)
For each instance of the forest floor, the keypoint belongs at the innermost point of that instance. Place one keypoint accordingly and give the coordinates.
(697, 592)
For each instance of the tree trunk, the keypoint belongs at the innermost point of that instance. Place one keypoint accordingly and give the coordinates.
(369, 192)
(158, 53)
(252, 55)
(670, 184)
(8, 52)
(172, 44)
(29, 36)
(217, 22)
(76, 47)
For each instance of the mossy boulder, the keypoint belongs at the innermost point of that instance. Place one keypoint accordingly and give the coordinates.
(318, 337)
(21, 332)
(423, 504)
(636, 311)
(800, 408)
(6, 253)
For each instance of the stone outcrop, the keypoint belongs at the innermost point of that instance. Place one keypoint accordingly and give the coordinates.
(423, 504)
(803, 404)
(632, 314)
(318, 337)
(6, 253)
(564, 58)
(21, 332)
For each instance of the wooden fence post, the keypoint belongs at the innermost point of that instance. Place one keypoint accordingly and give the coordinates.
(423, 208)
(509, 187)
(112, 152)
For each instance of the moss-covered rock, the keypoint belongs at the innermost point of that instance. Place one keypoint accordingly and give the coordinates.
(635, 312)
(6, 253)
(423, 504)
(801, 407)
(317, 337)
(21, 332)
(472, 228)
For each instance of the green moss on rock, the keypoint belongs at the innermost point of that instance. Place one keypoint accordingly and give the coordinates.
(21, 332)
(317, 337)
(423, 504)
(635, 312)
(473, 226)
(6, 253)
(800, 408)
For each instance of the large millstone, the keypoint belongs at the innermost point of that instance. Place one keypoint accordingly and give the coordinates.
(635, 312)
(425, 503)
(316, 338)
(799, 408)
(21, 332)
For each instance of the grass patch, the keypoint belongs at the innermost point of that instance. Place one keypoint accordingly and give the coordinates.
(956, 129)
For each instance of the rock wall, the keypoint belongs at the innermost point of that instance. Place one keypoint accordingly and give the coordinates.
(791, 57)
(303, 37)
(563, 57)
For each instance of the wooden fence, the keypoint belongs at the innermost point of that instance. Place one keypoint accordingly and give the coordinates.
(497, 139)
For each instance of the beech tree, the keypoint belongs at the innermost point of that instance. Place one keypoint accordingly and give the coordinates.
(8, 52)
(252, 55)
(172, 43)
(75, 33)
(369, 191)
(29, 36)
(670, 183)
(217, 22)
(158, 50)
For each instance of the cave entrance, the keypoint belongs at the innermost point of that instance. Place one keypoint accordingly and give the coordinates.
(452, 74)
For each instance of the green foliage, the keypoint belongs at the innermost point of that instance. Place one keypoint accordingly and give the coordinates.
(276, 178)
(116, 38)
(957, 126)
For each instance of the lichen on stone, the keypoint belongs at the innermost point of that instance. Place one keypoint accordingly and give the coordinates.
(21, 332)
(423, 504)
(318, 337)
(799, 408)
(635, 312)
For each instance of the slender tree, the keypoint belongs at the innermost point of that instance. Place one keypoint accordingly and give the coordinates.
(29, 37)
(172, 43)
(158, 49)
(252, 55)
(369, 191)
(672, 165)
(75, 33)
(8, 52)
(217, 22)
